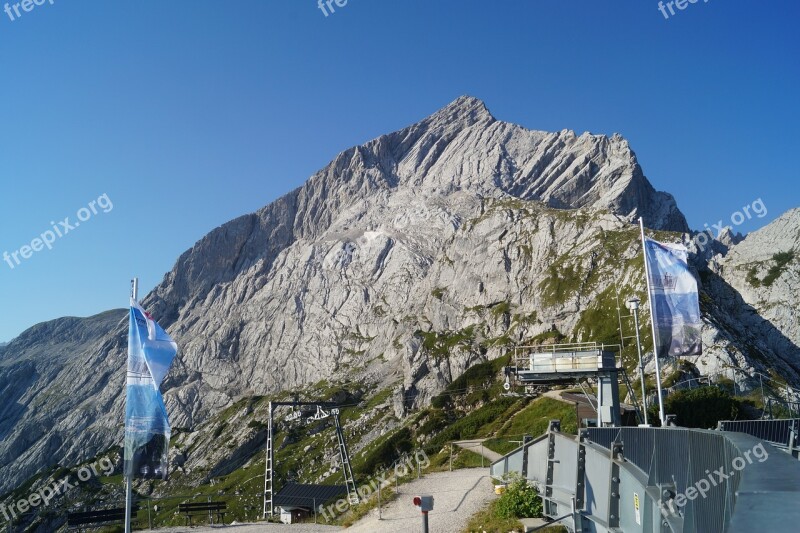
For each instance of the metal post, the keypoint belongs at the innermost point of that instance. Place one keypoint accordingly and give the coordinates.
(451, 456)
(129, 478)
(149, 518)
(315, 510)
(128, 502)
(379, 502)
(418, 476)
(653, 324)
(424, 521)
(635, 309)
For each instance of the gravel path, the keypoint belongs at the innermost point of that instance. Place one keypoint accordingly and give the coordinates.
(255, 528)
(456, 496)
(476, 446)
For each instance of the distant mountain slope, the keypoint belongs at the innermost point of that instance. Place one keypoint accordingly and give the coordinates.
(51, 376)
(400, 264)
(764, 272)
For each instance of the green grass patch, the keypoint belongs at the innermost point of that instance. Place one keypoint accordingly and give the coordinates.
(533, 420)
(780, 261)
(480, 422)
(487, 521)
(441, 344)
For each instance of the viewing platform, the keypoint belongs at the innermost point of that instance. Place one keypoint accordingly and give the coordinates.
(558, 363)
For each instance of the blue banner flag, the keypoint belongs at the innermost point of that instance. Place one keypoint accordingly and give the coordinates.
(147, 431)
(674, 300)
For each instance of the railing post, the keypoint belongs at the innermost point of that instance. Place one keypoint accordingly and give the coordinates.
(451, 456)
(580, 483)
(614, 483)
(553, 428)
(525, 440)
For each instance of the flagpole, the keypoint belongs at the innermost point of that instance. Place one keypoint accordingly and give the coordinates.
(653, 324)
(129, 478)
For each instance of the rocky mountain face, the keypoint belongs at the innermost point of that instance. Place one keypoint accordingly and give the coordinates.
(47, 375)
(763, 288)
(399, 265)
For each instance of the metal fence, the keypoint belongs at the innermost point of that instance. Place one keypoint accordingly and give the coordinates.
(678, 458)
(659, 480)
(781, 432)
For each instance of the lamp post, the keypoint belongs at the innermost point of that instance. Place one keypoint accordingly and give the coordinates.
(633, 305)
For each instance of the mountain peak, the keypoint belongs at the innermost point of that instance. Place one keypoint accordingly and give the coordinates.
(464, 109)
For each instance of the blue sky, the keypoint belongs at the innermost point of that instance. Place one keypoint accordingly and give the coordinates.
(188, 114)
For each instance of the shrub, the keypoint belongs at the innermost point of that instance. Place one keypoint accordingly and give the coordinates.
(468, 426)
(700, 408)
(520, 500)
(782, 261)
(386, 452)
(477, 376)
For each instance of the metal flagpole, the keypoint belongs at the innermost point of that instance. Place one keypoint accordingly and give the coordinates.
(653, 324)
(634, 306)
(129, 479)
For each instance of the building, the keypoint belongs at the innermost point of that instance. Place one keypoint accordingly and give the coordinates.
(297, 501)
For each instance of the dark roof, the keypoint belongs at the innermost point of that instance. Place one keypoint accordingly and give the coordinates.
(301, 495)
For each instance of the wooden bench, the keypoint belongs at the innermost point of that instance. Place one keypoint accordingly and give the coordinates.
(99, 518)
(212, 508)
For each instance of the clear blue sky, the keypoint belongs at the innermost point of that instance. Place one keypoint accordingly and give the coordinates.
(187, 114)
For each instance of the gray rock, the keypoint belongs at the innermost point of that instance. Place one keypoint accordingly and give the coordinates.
(400, 264)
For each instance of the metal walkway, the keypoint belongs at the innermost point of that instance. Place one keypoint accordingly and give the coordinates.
(660, 480)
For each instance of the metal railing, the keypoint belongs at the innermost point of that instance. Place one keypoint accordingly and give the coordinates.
(781, 432)
(582, 356)
(659, 480)
(675, 459)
